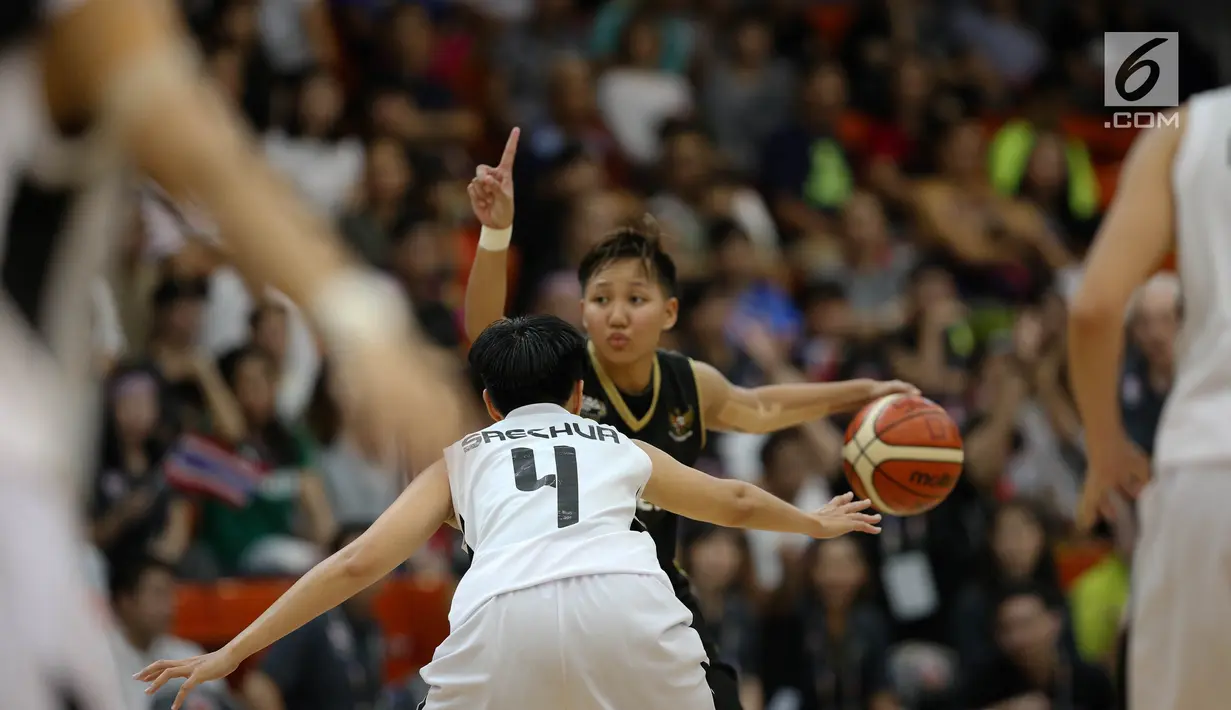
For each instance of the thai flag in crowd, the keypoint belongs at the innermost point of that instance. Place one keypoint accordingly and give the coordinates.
(202, 466)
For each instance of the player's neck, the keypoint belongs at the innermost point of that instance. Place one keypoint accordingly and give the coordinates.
(632, 378)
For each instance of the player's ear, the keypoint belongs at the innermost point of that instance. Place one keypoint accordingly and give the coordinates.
(491, 408)
(672, 312)
(573, 405)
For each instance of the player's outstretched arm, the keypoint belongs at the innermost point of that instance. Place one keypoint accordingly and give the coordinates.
(395, 536)
(737, 504)
(491, 198)
(1132, 242)
(760, 410)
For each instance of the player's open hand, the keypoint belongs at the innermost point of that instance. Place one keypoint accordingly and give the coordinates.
(844, 515)
(491, 190)
(197, 670)
(884, 389)
(1115, 467)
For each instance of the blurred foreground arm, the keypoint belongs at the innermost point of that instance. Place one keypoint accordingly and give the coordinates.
(1135, 237)
(125, 66)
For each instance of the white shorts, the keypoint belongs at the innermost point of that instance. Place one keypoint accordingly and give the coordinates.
(1180, 636)
(600, 642)
(54, 646)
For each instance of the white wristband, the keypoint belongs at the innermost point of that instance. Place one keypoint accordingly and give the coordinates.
(359, 306)
(495, 239)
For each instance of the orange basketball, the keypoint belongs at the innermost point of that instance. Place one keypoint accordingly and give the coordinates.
(904, 453)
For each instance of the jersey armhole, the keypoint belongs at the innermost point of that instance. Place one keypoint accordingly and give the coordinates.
(648, 463)
(696, 385)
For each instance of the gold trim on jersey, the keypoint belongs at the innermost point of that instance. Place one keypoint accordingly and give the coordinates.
(696, 385)
(617, 400)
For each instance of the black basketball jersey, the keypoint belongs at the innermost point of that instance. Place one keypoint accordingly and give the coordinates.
(667, 416)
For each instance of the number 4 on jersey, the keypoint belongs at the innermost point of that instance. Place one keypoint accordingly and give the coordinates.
(564, 480)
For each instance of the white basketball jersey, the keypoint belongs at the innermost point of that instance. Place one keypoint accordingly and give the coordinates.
(1193, 428)
(59, 204)
(546, 495)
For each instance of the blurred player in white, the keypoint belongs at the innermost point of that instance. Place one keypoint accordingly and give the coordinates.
(88, 89)
(1174, 194)
(564, 606)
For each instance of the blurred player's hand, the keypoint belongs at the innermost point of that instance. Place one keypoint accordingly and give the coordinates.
(491, 190)
(1115, 467)
(407, 393)
(198, 670)
(844, 515)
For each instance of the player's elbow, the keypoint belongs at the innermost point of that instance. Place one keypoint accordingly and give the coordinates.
(1091, 309)
(740, 506)
(357, 562)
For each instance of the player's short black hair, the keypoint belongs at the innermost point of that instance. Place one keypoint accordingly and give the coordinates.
(528, 360)
(639, 241)
(127, 573)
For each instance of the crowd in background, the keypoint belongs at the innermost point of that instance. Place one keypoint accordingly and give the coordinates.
(888, 187)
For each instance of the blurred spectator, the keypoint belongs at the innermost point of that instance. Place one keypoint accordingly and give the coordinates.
(259, 538)
(384, 205)
(197, 398)
(407, 100)
(134, 510)
(718, 564)
(829, 648)
(747, 92)
(1154, 322)
(996, 31)
(788, 471)
(1035, 671)
(1034, 158)
(325, 165)
(240, 59)
(874, 270)
(635, 96)
(358, 491)
(934, 347)
(677, 36)
(805, 170)
(423, 264)
(296, 34)
(528, 51)
(333, 662)
(1018, 551)
(143, 601)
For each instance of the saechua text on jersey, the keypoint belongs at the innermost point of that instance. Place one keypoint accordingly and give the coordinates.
(592, 432)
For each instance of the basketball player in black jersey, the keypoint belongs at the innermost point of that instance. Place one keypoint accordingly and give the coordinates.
(657, 396)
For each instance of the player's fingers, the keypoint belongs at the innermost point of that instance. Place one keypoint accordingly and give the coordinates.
(162, 679)
(193, 681)
(856, 506)
(1087, 509)
(868, 528)
(151, 671)
(842, 499)
(482, 171)
(510, 150)
(872, 518)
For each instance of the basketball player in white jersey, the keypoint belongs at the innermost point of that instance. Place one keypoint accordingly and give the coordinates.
(564, 606)
(89, 88)
(1174, 195)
